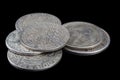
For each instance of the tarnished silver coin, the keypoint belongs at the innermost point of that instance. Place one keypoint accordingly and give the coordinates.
(13, 44)
(35, 18)
(83, 35)
(92, 51)
(35, 63)
(45, 37)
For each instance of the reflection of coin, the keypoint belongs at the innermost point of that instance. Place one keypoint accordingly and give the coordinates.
(35, 18)
(91, 51)
(83, 35)
(45, 37)
(37, 62)
(13, 43)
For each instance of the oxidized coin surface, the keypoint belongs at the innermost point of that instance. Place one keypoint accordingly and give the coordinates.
(35, 18)
(45, 37)
(13, 43)
(83, 35)
(35, 63)
(91, 51)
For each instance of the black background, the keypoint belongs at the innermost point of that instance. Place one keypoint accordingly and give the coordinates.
(71, 66)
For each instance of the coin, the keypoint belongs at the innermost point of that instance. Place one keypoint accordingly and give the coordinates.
(13, 43)
(35, 63)
(83, 35)
(45, 37)
(92, 51)
(35, 18)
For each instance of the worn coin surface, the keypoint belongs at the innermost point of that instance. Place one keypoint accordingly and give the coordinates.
(91, 51)
(13, 44)
(35, 63)
(35, 18)
(45, 37)
(83, 35)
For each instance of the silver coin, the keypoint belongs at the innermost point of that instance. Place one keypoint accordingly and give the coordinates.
(35, 63)
(13, 43)
(83, 35)
(92, 51)
(35, 18)
(45, 37)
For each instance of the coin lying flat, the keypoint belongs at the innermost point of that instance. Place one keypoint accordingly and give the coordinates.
(13, 43)
(35, 63)
(83, 35)
(35, 18)
(92, 51)
(45, 37)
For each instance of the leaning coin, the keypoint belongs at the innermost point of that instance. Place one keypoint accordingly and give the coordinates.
(45, 37)
(13, 44)
(92, 51)
(83, 35)
(35, 18)
(35, 63)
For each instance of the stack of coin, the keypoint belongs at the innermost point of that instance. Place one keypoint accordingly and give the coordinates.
(86, 38)
(37, 42)
(39, 38)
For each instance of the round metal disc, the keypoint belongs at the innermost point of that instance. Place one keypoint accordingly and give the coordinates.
(13, 43)
(91, 51)
(35, 18)
(35, 63)
(45, 37)
(83, 35)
